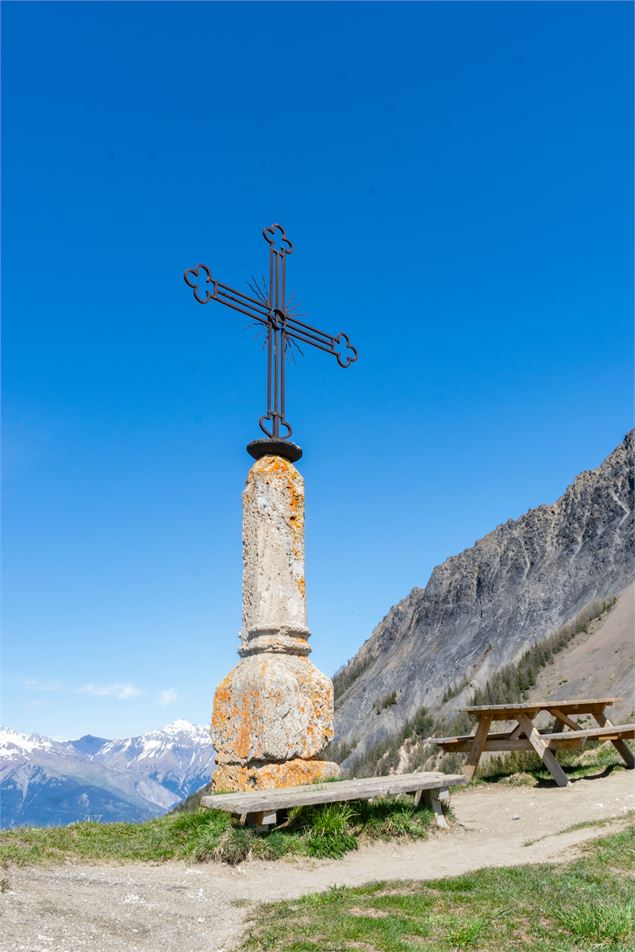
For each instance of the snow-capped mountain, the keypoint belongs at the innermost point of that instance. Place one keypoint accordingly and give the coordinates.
(44, 782)
(14, 745)
(178, 757)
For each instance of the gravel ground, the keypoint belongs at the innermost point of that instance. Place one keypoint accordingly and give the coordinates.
(173, 907)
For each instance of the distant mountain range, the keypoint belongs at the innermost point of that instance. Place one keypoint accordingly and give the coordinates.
(44, 782)
(482, 609)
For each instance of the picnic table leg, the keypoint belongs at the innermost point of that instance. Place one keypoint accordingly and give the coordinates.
(477, 747)
(547, 756)
(620, 745)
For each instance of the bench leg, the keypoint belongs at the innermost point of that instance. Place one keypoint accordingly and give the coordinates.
(262, 821)
(433, 800)
(547, 757)
(620, 745)
(477, 747)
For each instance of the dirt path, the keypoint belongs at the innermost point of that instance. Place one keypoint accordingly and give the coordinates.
(172, 907)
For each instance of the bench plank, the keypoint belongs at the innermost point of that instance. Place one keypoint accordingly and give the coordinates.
(269, 800)
(614, 732)
(620, 745)
(504, 742)
(469, 738)
(575, 706)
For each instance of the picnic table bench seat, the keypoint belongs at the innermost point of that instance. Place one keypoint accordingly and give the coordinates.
(502, 741)
(260, 807)
(568, 738)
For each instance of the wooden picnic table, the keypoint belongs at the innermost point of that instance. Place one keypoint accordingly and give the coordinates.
(525, 735)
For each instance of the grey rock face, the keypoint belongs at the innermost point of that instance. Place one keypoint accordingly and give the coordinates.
(483, 608)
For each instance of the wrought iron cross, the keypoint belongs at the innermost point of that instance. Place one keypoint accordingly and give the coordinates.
(273, 309)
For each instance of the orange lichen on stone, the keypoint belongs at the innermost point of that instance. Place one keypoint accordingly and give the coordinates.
(293, 773)
(292, 483)
(272, 707)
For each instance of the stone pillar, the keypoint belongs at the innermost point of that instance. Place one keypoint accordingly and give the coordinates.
(273, 713)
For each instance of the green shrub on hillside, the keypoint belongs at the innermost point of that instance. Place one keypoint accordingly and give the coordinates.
(347, 675)
(388, 700)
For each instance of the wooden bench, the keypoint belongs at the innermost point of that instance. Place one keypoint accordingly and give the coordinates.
(260, 807)
(526, 736)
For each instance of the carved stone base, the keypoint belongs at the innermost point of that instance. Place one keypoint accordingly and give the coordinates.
(293, 773)
(273, 714)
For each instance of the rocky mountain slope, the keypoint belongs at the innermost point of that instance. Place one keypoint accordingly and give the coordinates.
(600, 663)
(483, 608)
(44, 782)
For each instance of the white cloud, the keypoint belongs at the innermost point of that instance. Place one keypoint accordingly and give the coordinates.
(122, 692)
(35, 684)
(167, 697)
(37, 703)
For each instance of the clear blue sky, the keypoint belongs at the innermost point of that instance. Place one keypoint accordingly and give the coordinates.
(457, 183)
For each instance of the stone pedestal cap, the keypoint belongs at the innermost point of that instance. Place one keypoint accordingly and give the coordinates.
(269, 447)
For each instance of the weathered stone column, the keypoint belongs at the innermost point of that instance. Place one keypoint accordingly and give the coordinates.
(273, 713)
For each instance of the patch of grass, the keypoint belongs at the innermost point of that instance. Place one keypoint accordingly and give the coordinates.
(576, 764)
(603, 922)
(331, 830)
(584, 825)
(580, 906)
(388, 700)
(329, 819)
(233, 846)
(466, 933)
(176, 836)
(385, 820)
(332, 845)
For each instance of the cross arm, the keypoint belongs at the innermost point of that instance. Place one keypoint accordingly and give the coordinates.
(206, 289)
(337, 344)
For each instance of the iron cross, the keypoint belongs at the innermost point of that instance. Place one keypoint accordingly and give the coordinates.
(272, 308)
